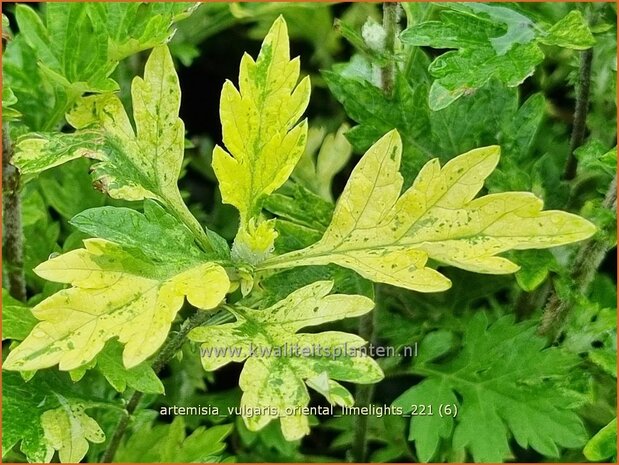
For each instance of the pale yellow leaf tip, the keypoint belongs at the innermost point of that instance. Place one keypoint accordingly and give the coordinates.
(389, 145)
(279, 25)
(276, 42)
(492, 152)
(392, 137)
(159, 58)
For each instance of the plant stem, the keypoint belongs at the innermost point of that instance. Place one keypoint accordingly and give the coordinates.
(367, 323)
(583, 87)
(364, 392)
(11, 220)
(390, 25)
(169, 349)
(586, 263)
(180, 210)
(527, 301)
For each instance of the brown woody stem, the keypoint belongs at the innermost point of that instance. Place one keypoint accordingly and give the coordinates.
(11, 220)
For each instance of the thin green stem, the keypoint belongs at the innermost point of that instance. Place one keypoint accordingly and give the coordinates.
(364, 392)
(12, 220)
(121, 428)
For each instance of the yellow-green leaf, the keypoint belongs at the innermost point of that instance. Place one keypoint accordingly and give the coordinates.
(324, 157)
(115, 293)
(603, 445)
(134, 164)
(388, 237)
(279, 363)
(68, 429)
(259, 123)
(144, 163)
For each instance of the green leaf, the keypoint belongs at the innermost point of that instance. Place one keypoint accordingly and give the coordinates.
(487, 114)
(591, 328)
(436, 344)
(68, 430)
(535, 265)
(571, 32)
(8, 101)
(37, 152)
(517, 135)
(428, 431)
(74, 48)
(428, 134)
(293, 236)
(159, 235)
(273, 378)
(503, 383)
(26, 405)
(296, 203)
(37, 98)
(388, 237)
(492, 42)
(17, 319)
(345, 281)
(595, 158)
(116, 293)
(451, 31)
(41, 232)
(322, 160)
(606, 360)
(21, 404)
(510, 57)
(590, 323)
(133, 165)
(109, 363)
(136, 26)
(260, 130)
(522, 128)
(71, 49)
(302, 216)
(168, 443)
(459, 73)
(79, 45)
(68, 190)
(603, 445)
(518, 29)
(377, 114)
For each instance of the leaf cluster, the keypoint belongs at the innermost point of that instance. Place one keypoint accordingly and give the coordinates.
(424, 190)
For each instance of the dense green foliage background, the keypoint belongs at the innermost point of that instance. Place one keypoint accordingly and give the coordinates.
(530, 386)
